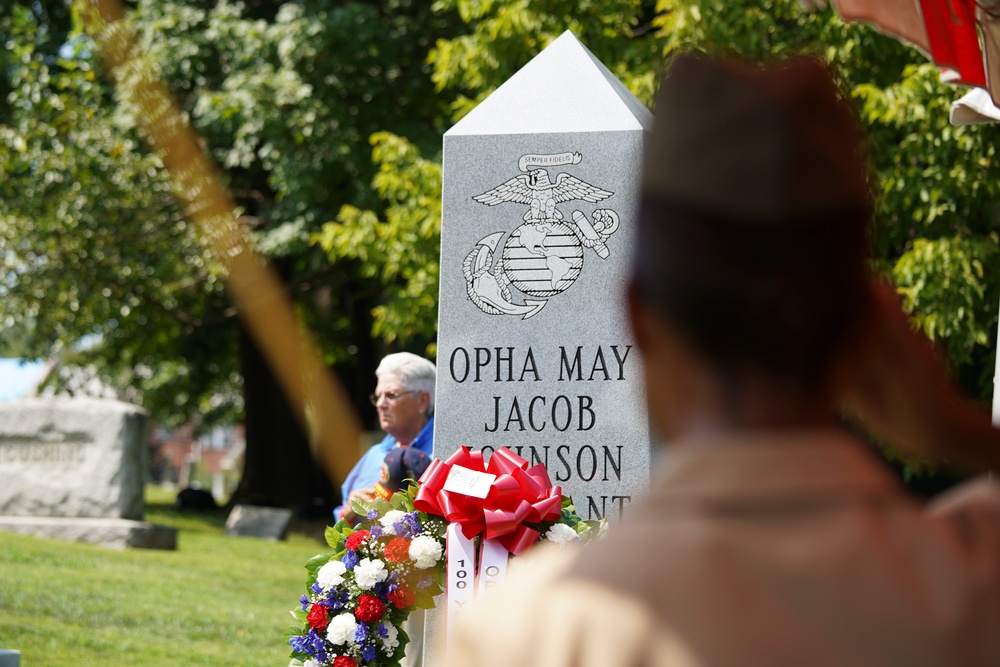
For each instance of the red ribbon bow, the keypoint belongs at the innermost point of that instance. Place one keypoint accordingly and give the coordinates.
(517, 496)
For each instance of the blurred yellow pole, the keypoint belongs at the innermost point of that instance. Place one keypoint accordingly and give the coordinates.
(315, 395)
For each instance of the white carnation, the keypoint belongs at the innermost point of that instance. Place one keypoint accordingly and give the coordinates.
(391, 641)
(311, 663)
(391, 517)
(560, 533)
(369, 572)
(341, 629)
(425, 550)
(331, 574)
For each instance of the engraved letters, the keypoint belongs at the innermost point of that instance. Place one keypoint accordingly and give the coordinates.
(62, 454)
(516, 409)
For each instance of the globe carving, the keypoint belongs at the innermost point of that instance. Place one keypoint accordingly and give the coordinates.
(543, 259)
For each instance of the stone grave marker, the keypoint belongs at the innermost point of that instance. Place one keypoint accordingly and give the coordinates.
(539, 201)
(269, 523)
(73, 468)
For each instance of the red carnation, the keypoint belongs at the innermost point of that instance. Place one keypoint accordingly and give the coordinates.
(344, 661)
(403, 597)
(398, 550)
(356, 539)
(317, 617)
(369, 609)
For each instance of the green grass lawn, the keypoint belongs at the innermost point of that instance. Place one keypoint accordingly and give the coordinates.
(216, 600)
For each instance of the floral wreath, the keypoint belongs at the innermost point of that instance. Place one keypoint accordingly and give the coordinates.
(394, 560)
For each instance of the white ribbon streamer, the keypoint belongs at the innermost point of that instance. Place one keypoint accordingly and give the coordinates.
(492, 565)
(461, 572)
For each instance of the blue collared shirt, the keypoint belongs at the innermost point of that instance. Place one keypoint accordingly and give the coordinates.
(368, 470)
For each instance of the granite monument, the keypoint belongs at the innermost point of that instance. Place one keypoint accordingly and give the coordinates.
(534, 353)
(73, 468)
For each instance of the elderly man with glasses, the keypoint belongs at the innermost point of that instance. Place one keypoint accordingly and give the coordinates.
(404, 397)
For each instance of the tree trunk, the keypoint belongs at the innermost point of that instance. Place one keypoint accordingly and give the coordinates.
(279, 469)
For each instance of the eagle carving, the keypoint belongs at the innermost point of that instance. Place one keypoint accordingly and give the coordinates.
(537, 191)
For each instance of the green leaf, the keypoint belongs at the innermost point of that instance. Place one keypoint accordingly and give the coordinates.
(363, 507)
(315, 563)
(402, 501)
(334, 537)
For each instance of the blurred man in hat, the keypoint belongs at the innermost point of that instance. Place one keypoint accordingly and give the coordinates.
(401, 467)
(770, 535)
(404, 397)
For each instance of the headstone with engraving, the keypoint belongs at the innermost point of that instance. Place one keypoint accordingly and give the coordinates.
(269, 523)
(73, 468)
(539, 201)
(534, 353)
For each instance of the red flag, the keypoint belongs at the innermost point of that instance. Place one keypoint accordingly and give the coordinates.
(954, 38)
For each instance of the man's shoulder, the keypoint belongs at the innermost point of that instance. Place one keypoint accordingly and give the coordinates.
(377, 451)
(368, 465)
(980, 494)
(972, 509)
(558, 619)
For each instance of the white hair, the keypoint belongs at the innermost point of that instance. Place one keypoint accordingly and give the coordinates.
(413, 372)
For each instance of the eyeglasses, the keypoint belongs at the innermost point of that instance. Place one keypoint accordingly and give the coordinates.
(390, 396)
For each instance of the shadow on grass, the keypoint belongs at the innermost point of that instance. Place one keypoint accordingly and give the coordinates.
(161, 508)
(196, 521)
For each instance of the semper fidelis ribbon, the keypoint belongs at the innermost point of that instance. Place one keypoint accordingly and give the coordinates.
(517, 495)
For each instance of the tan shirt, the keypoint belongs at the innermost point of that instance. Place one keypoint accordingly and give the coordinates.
(764, 549)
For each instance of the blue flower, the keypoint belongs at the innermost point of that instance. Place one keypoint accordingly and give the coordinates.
(414, 523)
(314, 645)
(298, 644)
(316, 588)
(402, 529)
(337, 600)
(305, 602)
(372, 515)
(383, 632)
(424, 582)
(361, 634)
(350, 559)
(368, 652)
(376, 532)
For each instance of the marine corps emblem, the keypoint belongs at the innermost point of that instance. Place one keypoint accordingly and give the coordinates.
(515, 273)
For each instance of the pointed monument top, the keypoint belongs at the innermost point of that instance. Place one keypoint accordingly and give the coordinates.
(565, 88)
